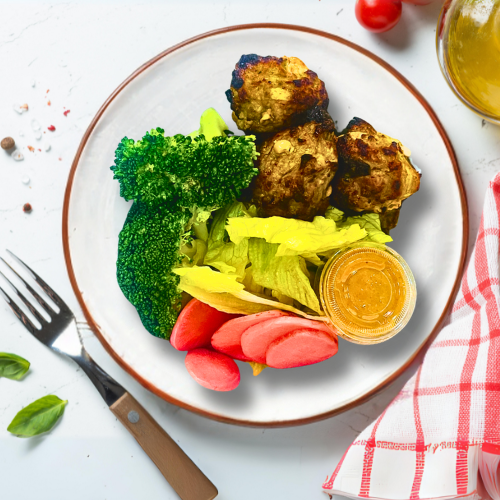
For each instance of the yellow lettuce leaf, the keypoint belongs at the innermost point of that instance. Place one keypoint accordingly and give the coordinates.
(295, 237)
(226, 302)
(208, 279)
(369, 222)
(219, 290)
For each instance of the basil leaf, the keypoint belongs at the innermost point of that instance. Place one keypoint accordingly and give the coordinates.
(39, 416)
(13, 366)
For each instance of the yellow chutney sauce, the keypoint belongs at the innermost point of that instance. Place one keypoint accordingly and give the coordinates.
(368, 292)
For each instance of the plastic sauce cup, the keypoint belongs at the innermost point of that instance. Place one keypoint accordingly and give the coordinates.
(368, 292)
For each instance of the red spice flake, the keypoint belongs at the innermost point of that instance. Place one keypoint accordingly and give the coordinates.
(51, 128)
(24, 106)
(60, 159)
(47, 91)
(27, 208)
(48, 103)
(31, 148)
(66, 112)
(39, 149)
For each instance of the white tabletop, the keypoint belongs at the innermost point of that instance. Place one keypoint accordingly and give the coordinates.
(75, 54)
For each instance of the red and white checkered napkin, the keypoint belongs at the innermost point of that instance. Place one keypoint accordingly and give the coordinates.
(444, 425)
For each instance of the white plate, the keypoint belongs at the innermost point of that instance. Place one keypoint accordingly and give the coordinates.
(172, 91)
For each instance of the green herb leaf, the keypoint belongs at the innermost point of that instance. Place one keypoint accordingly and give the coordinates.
(38, 417)
(13, 366)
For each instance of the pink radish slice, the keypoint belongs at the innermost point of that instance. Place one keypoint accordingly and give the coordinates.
(300, 348)
(196, 324)
(212, 370)
(256, 339)
(227, 338)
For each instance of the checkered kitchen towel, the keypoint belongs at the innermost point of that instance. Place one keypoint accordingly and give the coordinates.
(444, 425)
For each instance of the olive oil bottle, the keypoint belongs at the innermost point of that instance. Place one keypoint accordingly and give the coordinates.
(469, 50)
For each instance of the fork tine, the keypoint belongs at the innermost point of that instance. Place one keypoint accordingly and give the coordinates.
(39, 299)
(46, 288)
(22, 317)
(27, 303)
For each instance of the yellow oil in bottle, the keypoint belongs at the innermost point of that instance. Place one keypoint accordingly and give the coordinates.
(472, 54)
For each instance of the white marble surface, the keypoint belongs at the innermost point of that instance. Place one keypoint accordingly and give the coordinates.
(80, 52)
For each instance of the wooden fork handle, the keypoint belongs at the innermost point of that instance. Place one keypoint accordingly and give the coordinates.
(179, 470)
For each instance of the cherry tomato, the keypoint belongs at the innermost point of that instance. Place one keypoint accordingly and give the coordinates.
(418, 2)
(378, 15)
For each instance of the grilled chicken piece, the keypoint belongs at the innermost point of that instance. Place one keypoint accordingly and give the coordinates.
(296, 167)
(375, 173)
(269, 94)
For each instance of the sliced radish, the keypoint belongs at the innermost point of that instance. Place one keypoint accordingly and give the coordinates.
(212, 370)
(227, 338)
(300, 348)
(196, 324)
(256, 339)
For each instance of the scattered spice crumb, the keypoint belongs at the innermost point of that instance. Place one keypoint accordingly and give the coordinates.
(17, 155)
(7, 143)
(48, 103)
(27, 208)
(47, 91)
(51, 128)
(60, 159)
(31, 148)
(39, 149)
(66, 112)
(20, 108)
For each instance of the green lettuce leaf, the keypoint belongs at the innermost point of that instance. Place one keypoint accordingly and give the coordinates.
(369, 222)
(295, 237)
(225, 255)
(194, 253)
(250, 284)
(284, 275)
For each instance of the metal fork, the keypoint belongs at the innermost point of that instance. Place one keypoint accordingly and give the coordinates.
(61, 335)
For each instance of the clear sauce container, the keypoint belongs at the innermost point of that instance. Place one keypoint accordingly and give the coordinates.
(368, 292)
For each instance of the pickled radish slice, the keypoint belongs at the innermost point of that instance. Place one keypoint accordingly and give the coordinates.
(301, 348)
(196, 324)
(212, 369)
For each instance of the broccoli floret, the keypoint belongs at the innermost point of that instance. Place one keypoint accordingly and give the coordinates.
(175, 183)
(185, 172)
(148, 248)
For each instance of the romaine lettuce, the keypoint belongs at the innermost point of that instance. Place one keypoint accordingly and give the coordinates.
(295, 237)
(284, 275)
(369, 222)
(225, 255)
